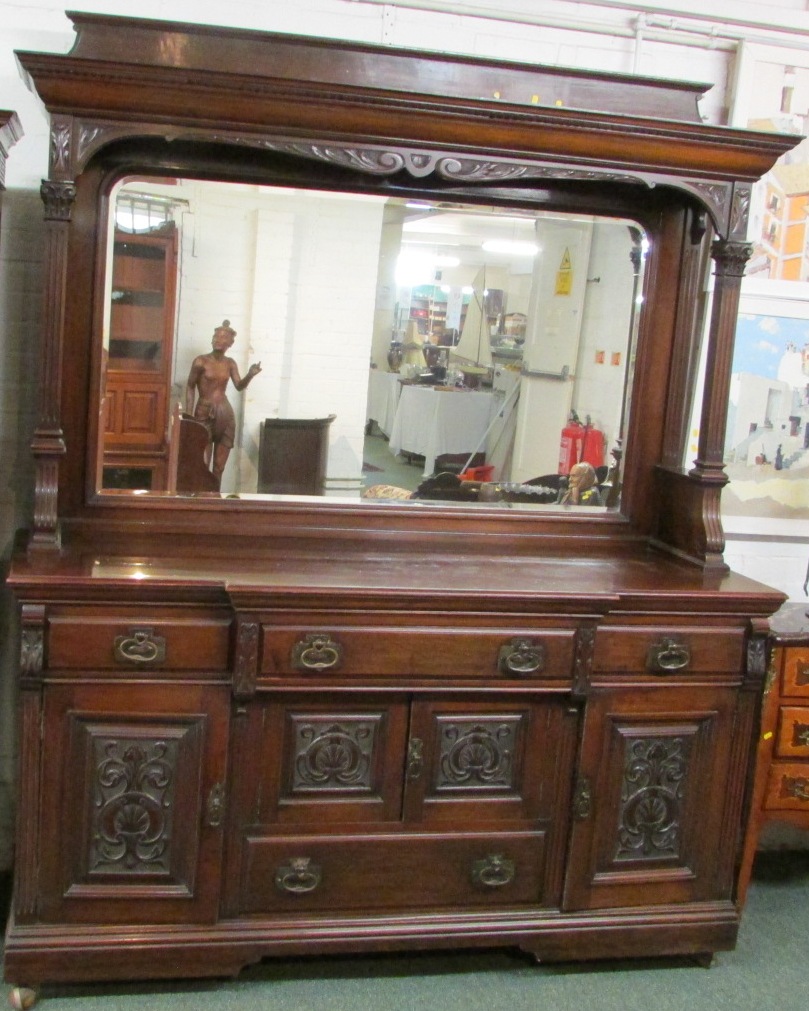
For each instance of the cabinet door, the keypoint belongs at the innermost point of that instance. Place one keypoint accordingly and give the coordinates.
(132, 802)
(487, 761)
(328, 760)
(657, 803)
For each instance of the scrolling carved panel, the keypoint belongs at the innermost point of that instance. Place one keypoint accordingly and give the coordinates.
(654, 780)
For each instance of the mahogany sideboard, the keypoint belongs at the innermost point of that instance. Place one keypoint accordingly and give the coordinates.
(254, 726)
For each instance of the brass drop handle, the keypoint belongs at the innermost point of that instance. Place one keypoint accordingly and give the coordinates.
(668, 656)
(521, 658)
(140, 646)
(317, 651)
(299, 876)
(494, 871)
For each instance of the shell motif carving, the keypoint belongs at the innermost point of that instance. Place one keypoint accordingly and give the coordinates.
(477, 755)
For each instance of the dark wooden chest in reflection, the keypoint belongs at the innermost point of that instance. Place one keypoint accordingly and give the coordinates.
(292, 455)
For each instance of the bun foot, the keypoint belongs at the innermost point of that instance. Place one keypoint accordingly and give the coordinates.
(22, 997)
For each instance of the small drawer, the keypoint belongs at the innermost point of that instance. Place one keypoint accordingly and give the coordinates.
(793, 732)
(388, 652)
(788, 787)
(668, 651)
(138, 642)
(796, 672)
(310, 873)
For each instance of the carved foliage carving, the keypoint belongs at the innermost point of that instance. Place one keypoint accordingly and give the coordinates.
(655, 773)
(134, 803)
(245, 669)
(32, 643)
(479, 754)
(334, 754)
(379, 161)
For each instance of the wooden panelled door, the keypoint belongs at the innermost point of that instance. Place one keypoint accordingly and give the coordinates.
(138, 365)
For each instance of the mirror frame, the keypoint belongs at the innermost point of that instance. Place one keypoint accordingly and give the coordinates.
(140, 97)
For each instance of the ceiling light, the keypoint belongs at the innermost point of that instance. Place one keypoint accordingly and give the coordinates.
(511, 247)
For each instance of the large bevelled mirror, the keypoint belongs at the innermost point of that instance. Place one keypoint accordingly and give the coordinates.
(408, 350)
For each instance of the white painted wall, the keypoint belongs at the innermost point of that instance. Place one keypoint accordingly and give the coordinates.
(681, 38)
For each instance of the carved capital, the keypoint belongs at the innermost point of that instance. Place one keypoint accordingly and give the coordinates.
(731, 257)
(58, 197)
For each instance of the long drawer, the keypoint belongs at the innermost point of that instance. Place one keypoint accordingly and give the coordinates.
(311, 873)
(417, 652)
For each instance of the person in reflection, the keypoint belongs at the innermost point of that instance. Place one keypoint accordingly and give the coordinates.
(207, 383)
(582, 488)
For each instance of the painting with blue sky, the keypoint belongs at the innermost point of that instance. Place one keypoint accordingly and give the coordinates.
(761, 342)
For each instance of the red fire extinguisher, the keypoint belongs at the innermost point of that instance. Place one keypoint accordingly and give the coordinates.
(570, 445)
(580, 444)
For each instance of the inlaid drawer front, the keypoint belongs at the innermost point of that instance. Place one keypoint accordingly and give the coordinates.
(796, 671)
(793, 732)
(138, 642)
(668, 651)
(788, 787)
(422, 653)
(378, 872)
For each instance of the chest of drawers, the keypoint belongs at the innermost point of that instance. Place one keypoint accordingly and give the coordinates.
(781, 791)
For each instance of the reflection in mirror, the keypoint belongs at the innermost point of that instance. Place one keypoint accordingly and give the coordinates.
(408, 350)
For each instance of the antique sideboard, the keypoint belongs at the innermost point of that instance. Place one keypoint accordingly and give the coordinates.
(296, 725)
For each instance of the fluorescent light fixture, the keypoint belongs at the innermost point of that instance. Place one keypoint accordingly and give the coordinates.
(511, 247)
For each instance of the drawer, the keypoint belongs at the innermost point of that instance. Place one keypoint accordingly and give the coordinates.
(793, 732)
(135, 642)
(796, 672)
(397, 652)
(668, 650)
(310, 873)
(788, 787)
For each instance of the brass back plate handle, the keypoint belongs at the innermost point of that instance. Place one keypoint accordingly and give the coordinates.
(140, 647)
(317, 651)
(521, 658)
(299, 876)
(668, 656)
(494, 871)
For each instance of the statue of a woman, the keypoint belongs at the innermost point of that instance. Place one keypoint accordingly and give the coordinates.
(208, 379)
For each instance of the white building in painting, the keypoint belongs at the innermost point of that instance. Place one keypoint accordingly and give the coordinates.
(768, 419)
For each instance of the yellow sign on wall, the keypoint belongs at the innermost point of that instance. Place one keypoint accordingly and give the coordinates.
(564, 275)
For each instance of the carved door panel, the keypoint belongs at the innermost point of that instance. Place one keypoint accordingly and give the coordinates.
(477, 762)
(133, 802)
(657, 796)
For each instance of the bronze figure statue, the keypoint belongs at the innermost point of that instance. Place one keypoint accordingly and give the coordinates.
(208, 379)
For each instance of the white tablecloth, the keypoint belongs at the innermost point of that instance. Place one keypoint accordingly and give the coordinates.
(431, 422)
(383, 398)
